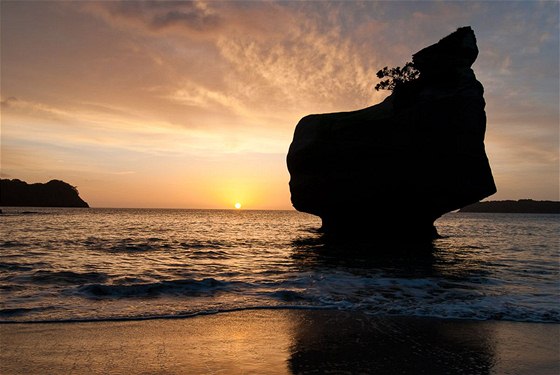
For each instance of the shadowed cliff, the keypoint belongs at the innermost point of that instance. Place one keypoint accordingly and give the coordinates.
(54, 193)
(395, 167)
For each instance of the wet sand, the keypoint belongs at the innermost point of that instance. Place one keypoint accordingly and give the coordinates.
(281, 342)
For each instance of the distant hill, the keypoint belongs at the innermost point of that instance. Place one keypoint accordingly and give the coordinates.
(54, 193)
(525, 206)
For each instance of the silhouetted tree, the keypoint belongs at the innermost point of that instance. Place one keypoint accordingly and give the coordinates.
(396, 76)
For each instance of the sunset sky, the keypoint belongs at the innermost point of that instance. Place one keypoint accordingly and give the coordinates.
(194, 104)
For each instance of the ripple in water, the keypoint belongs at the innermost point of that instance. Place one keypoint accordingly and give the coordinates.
(66, 264)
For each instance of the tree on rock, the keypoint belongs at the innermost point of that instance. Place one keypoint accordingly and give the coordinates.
(396, 76)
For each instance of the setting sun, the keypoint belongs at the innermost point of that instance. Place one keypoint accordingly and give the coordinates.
(238, 205)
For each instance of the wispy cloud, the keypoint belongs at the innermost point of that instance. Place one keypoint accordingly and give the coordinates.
(193, 16)
(188, 79)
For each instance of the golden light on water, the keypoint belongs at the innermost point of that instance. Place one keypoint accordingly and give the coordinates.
(237, 205)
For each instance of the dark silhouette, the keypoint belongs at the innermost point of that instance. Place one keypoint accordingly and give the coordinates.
(522, 206)
(54, 193)
(392, 169)
(397, 76)
(352, 343)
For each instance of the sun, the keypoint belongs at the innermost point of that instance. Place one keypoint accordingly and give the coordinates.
(237, 205)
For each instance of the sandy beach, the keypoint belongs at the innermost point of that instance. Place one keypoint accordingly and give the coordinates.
(281, 342)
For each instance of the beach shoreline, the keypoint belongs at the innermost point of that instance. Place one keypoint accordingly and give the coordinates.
(281, 342)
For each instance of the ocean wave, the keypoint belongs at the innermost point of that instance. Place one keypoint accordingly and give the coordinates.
(133, 247)
(12, 316)
(289, 295)
(68, 277)
(59, 277)
(14, 312)
(15, 266)
(183, 315)
(9, 244)
(210, 244)
(141, 264)
(139, 245)
(125, 244)
(190, 287)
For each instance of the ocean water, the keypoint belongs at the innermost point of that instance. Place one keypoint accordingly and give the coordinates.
(121, 264)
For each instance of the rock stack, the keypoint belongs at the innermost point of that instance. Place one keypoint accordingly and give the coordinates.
(394, 168)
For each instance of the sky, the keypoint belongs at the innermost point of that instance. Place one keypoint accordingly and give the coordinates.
(194, 104)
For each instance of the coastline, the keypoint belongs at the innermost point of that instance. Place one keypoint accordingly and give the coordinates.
(282, 342)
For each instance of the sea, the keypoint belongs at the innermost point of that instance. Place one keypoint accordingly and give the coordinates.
(97, 264)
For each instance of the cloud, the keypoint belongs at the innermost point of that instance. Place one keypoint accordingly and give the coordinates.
(5, 103)
(177, 79)
(262, 63)
(159, 15)
(121, 173)
(38, 110)
(505, 66)
(278, 51)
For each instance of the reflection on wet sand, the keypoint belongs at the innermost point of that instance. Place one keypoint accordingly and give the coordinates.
(343, 342)
(350, 342)
(354, 343)
(282, 342)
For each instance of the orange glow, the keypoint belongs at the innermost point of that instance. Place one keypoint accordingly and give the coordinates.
(202, 117)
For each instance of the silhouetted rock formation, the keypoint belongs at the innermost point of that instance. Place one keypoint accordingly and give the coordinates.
(522, 206)
(54, 193)
(395, 167)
